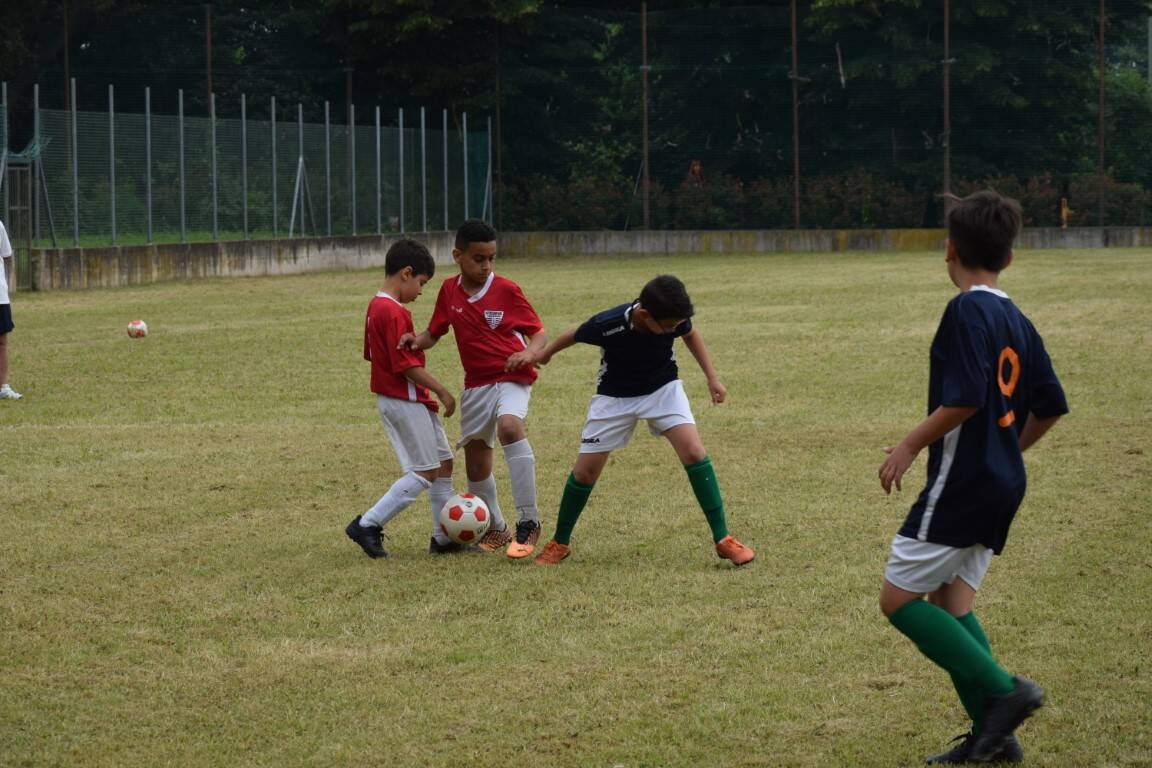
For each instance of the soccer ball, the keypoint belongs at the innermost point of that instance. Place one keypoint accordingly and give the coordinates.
(137, 329)
(465, 518)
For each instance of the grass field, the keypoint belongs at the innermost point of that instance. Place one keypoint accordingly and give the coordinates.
(176, 588)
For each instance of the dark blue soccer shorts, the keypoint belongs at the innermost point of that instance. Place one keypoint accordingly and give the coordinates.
(6, 324)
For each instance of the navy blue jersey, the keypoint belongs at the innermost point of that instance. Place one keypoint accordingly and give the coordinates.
(987, 355)
(632, 363)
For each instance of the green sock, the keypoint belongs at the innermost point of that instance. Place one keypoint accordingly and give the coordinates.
(707, 491)
(944, 640)
(571, 505)
(971, 696)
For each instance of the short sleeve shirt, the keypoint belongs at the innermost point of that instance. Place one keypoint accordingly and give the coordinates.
(986, 354)
(386, 321)
(490, 326)
(632, 363)
(5, 253)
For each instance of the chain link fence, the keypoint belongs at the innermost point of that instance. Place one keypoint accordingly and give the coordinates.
(115, 178)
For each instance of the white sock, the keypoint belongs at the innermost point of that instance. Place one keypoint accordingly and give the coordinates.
(486, 489)
(522, 473)
(438, 496)
(402, 493)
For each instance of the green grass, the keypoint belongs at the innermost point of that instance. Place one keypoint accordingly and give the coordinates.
(176, 588)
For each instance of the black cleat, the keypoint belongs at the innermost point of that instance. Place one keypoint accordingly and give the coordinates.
(961, 754)
(370, 539)
(451, 548)
(1002, 715)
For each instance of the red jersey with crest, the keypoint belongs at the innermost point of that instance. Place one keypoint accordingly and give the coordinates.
(387, 320)
(490, 326)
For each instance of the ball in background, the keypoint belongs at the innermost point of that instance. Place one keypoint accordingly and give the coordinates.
(137, 329)
(465, 518)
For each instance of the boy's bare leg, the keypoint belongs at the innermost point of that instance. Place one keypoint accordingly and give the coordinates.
(3, 359)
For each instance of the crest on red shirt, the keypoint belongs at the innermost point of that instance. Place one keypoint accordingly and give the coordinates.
(493, 316)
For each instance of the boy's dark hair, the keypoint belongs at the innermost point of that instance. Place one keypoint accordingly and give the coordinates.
(409, 253)
(982, 228)
(474, 231)
(666, 298)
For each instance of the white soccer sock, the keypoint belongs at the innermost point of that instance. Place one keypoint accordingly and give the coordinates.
(438, 496)
(402, 493)
(486, 490)
(522, 473)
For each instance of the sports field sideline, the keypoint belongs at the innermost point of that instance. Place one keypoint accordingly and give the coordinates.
(176, 587)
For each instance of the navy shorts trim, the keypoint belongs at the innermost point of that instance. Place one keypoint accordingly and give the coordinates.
(6, 324)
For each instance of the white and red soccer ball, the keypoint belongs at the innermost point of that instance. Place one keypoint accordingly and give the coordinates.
(465, 518)
(137, 329)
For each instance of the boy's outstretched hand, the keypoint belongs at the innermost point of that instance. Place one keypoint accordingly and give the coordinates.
(900, 457)
(718, 391)
(407, 341)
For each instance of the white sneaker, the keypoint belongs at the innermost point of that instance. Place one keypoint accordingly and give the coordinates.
(7, 393)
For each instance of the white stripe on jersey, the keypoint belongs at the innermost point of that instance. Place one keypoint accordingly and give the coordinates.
(412, 391)
(946, 458)
(480, 293)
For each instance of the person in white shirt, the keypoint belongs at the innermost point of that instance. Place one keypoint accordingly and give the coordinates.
(6, 325)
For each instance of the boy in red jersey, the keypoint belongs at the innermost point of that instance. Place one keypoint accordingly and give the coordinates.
(499, 336)
(403, 397)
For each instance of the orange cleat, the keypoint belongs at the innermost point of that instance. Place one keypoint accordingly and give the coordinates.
(553, 553)
(527, 534)
(493, 540)
(728, 548)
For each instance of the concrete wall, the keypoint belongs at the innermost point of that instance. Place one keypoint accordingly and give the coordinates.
(131, 265)
(815, 240)
(57, 268)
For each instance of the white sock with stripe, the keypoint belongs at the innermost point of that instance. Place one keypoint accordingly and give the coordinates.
(486, 490)
(522, 474)
(402, 493)
(438, 496)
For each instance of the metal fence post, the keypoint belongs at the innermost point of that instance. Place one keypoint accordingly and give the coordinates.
(423, 174)
(244, 160)
(379, 230)
(275, 228)
(148, 158)
(75, 172)
(352, 161)
(328, 168)
(35, 135)
(400, 133)
(215, 198)
(183, 191)
(486, 211)
(465, 142)
(112, 161)
(4, 132)
(445, 139)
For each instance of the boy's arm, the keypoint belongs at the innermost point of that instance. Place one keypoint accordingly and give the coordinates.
(695, 343)
(1034, 429)
(939, 423)
(419, 375)
(422, 340)
(561, 342)
(529, 354)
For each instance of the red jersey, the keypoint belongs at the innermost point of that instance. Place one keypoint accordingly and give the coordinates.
(387, 320)
(489, 327)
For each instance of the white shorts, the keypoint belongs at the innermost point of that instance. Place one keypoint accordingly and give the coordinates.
(480, 407)
(611, 420)
(923, 567)
(416, 433)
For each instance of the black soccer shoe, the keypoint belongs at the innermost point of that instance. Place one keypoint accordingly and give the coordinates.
(451, 548)
(961, 754)
(1002, 715)
(370, 539)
